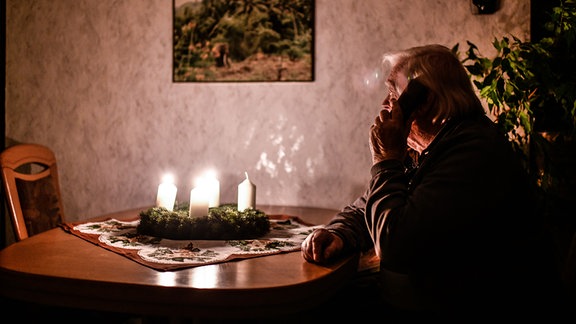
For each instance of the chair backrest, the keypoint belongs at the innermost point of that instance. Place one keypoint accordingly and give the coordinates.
(32, 189)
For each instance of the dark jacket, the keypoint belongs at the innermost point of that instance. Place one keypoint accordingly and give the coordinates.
(462, 224)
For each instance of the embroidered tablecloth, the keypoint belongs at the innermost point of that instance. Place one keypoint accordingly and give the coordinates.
(286, 235)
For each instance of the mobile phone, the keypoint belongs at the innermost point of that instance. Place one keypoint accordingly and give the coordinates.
(412, 97)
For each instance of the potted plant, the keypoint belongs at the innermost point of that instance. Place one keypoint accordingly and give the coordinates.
(530, 90)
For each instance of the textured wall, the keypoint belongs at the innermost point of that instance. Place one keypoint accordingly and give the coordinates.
(92, 79)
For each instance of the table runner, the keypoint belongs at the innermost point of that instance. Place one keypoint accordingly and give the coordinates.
(286, 235)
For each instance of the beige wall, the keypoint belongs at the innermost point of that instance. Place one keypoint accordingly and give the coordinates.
(92, 80)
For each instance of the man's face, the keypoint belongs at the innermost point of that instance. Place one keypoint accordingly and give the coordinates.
(396, 83)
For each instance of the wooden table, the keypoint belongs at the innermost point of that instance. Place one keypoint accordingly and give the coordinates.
(61, 269)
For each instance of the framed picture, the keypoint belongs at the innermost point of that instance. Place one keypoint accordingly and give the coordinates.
(243, 40)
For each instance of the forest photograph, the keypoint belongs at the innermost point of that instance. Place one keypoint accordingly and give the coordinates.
(243, 40)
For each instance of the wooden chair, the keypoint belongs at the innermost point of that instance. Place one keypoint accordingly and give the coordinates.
(32, 189)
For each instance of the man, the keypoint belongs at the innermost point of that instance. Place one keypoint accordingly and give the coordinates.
(456, 227)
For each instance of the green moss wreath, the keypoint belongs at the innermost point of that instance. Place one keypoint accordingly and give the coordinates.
(222, 223)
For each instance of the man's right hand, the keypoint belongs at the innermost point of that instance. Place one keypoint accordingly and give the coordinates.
(321, 246)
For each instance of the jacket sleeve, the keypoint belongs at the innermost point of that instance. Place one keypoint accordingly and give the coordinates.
(352, 222)
(387, 191)
(350, 225)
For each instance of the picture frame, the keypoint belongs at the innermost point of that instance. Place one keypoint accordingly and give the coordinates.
(243, 40)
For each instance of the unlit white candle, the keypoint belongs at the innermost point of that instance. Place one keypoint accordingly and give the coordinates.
(166, 196)
(198, 203)
(246, 194)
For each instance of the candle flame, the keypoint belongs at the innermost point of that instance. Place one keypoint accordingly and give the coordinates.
(168, 178)
(210, 174)
(206, 178)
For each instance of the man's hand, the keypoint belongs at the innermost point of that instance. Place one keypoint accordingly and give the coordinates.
(388, 135)
(321, 246)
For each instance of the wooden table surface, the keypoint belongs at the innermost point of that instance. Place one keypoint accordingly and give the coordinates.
(58, 268)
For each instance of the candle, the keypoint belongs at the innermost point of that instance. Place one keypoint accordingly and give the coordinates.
(166, 196)
(246, 194)
(211, 188)
(211, 185)
(198, 202)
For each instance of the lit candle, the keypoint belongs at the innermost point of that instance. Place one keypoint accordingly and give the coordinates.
(198, 202)
(166, 196)
(246, 194)
(211, 187)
